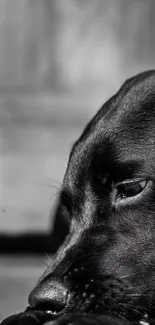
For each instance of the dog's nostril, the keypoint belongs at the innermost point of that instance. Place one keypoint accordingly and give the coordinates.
(51, 296)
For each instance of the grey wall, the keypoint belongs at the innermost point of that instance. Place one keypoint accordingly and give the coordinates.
(59, 61)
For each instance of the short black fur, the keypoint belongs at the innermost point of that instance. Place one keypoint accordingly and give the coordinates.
(104, 272)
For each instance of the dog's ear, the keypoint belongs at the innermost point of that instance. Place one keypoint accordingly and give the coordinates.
(60, 228)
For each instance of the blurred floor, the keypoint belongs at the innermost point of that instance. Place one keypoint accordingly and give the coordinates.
(18, 276)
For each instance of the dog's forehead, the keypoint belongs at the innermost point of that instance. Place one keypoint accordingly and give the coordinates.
(124, 126)
(130, 114)
(131, 109)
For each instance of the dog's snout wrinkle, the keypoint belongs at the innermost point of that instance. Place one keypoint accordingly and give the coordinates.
(51, 295)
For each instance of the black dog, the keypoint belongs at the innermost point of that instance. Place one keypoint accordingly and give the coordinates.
(106, 266)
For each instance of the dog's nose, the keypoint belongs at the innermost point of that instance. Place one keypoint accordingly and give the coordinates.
(49, 296)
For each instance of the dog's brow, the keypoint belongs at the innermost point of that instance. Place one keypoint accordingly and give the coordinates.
(131, 165)
(128, 169)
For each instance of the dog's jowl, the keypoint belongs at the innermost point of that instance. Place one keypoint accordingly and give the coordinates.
(104, 272)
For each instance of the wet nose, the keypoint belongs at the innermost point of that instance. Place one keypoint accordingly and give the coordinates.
(49, 296)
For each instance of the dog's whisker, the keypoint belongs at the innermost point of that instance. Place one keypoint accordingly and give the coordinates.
(49, 259)
(119, 315)
(125, 276)
(134, 295)
(133, 308)
(127, 305)
(50, 185)
(57, 182)
(55, 194)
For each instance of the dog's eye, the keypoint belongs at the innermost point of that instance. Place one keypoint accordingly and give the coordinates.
(130, 189)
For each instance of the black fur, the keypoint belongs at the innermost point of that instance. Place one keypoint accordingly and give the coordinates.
(106, 266)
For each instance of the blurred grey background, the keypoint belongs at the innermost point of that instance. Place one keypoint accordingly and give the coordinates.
(59, 61)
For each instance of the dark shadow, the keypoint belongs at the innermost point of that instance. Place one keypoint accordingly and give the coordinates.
(26, 244)
(36, 243)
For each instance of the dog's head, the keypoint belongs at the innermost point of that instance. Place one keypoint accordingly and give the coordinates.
(107, 262)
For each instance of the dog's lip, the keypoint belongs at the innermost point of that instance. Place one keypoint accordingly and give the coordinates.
(42, 311)
(53, 312)
(42, 315)
(45, 312)
(39, 310)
